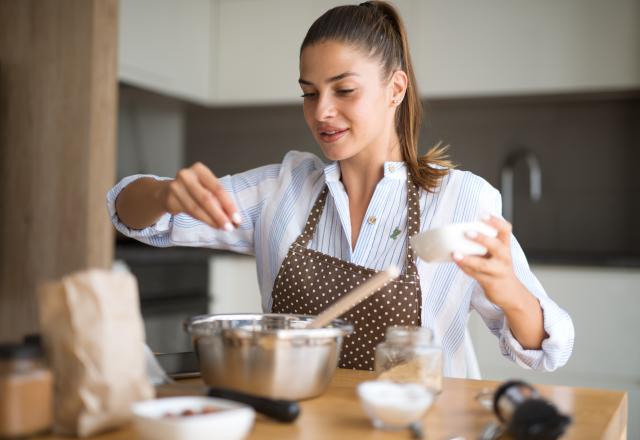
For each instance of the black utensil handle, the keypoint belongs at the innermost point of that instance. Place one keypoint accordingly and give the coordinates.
(281, 410)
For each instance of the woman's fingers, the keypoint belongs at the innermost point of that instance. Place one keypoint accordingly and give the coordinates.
(219, 215)
(181, 201)
(496, 266)
(197, 192)
(203, 198)
(502, 226)
(495, 247)
(212, 184)
(498, 256)
(475, 266)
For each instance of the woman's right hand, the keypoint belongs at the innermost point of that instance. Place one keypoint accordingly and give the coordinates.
(196, 191)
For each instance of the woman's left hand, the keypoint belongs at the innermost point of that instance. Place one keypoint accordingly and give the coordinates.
(494, 270)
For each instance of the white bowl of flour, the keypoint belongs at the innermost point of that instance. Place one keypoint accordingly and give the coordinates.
(392, 405)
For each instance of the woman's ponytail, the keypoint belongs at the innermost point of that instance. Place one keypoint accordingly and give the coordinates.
(376, 27)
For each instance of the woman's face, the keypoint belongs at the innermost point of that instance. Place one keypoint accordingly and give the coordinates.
(347, 105)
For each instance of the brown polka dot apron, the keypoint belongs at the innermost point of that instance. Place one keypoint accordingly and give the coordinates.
(309, 281)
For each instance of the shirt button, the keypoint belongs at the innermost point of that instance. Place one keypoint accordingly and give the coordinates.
(372, 220)
(392, 168)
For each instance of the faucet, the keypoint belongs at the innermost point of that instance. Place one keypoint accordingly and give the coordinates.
(506, 179)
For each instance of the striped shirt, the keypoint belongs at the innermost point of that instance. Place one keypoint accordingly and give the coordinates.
(275, 201)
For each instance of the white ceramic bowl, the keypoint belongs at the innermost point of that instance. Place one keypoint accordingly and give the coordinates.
(392, 405)
(233, 422)
(435, 245)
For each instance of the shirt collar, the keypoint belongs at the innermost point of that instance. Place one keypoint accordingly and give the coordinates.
(392, 170)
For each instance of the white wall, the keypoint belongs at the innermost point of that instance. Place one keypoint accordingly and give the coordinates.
(233, 284)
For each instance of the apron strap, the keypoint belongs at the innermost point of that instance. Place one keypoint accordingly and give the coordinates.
(413, 222)
(312, 221)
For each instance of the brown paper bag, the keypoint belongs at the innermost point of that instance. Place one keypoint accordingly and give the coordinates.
(93, 334)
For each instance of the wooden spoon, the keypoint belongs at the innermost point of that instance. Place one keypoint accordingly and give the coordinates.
(355, 296)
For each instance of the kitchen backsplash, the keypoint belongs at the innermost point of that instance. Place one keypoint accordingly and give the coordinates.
(588, 147)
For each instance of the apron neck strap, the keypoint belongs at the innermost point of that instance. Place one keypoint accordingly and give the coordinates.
(413, 222)
(312, 221)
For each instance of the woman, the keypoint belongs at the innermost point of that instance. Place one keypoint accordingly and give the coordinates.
(318, 230)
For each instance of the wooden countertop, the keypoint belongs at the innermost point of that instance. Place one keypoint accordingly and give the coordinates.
(597, 414)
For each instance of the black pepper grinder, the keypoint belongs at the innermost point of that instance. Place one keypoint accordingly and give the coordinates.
(526, 415)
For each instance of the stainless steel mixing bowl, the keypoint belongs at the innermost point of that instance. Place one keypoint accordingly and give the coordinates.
(270, 355)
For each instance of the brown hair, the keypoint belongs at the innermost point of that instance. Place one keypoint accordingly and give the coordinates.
(377, 29)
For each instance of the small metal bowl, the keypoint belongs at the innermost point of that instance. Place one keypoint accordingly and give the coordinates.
(270, 355)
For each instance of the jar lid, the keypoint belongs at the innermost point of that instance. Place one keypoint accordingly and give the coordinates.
(19, 351)
(409, 334)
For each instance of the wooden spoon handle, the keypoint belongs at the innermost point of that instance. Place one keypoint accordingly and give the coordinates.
(355, 296)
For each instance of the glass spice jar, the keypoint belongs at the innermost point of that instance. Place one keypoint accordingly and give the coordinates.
(26, 387)
(408, 355)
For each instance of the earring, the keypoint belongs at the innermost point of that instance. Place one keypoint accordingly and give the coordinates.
(396, 101)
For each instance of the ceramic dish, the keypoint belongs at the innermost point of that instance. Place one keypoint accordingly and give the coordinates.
(392, 405)
(165, 419)
(438, 245)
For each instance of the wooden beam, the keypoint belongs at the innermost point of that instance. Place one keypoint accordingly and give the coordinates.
(58, 103)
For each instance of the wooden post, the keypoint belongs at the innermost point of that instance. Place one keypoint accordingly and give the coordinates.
(58, 103)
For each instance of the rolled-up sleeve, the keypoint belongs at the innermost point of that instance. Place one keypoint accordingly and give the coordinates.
(154, 235)
(249, 190)
(557, 347)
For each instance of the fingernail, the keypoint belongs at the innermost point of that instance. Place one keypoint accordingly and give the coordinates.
(457, 256)
(228, 227)
(237, 218)
(472, 234)
(485, 216)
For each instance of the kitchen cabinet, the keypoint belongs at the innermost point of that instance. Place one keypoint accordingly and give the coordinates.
(217, 52)
(214, 52)
(239, 52)
(603, 303)
(495, 47)
(166, 46)
(259, 44)
(257, 58)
